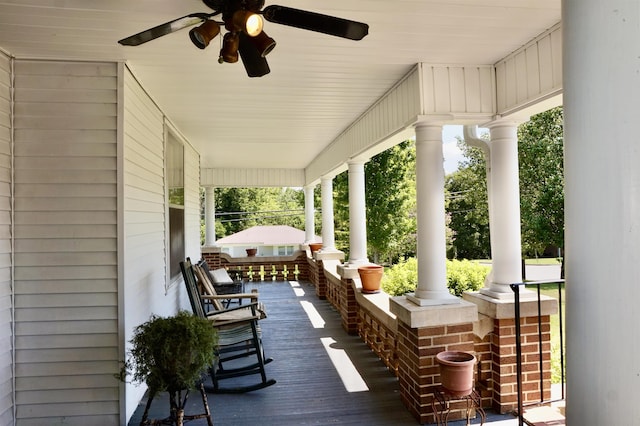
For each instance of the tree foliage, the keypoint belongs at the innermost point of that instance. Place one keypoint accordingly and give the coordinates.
(390, 204)
(242, 208)
(540, 157)
(467, 206)
(540, 153)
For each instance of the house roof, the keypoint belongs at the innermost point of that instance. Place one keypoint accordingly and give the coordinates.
(266, 236)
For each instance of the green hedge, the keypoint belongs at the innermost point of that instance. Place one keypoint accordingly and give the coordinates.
(462, 275)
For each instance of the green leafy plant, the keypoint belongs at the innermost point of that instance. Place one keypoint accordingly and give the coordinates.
(465, 275)
(401, 278)
(170, 354)
(462, 275)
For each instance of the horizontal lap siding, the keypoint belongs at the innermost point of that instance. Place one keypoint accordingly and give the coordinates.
(6, 334)
(144, 216)
(66, 268)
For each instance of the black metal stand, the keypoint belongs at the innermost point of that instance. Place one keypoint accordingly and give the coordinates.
(441, 405)
(177, 416)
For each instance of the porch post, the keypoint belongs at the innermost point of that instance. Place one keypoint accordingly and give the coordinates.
(357, 214)
(309, 215)
(602, 185)
(328, 233)
(431, 245)
(209, 216)
(504, 207)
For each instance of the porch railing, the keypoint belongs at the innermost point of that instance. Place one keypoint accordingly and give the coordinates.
(559, 284)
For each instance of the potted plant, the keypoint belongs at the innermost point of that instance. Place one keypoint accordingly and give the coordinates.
(370, 277)
(315, 247)
(456, 371)
(251, 252)
(171, 354)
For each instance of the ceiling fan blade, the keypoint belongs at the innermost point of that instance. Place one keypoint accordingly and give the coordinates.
(255, 64)
(316, 22)
(164, 29)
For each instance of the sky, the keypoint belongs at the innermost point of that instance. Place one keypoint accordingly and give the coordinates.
(451, 152)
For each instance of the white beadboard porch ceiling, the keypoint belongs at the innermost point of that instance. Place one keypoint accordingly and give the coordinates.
(318, 84)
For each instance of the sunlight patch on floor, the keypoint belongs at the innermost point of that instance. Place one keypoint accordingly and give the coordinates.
(296, 288)
(314, 316)
(351, 379)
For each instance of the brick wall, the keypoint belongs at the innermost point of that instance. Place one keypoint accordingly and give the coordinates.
(504, 370)
(410, 353)
(418, 370)
(380, 338)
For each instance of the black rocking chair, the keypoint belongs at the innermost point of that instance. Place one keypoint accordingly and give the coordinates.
(238, 339)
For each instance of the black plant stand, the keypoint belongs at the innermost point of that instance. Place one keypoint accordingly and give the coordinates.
(441, 405)
(177, 416)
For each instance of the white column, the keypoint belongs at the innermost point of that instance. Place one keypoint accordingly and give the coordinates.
(209, 216)
(328, 231)
(504, 202)
(309, 215)
(357, 215)
(431, 245)
(602, 209)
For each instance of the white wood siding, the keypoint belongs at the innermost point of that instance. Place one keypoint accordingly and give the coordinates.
(458, 92)
(530, 74)
(144, 215)
(146, 287)
(66, 243)
(6, 333)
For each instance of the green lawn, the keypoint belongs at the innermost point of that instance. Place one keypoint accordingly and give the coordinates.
(552, 291)
(544, 261)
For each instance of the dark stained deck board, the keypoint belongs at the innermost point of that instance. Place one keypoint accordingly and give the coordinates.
(308, 391)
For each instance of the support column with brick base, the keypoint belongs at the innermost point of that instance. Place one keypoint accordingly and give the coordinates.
(423, 332)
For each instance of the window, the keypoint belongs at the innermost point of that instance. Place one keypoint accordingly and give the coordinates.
(175, 183)
(285, 250)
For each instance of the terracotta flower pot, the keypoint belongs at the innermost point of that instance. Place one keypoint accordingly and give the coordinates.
(251, 252)
(315, 246)
(370, 276)
(456, 371)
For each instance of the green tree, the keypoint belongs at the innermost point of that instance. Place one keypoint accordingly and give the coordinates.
(540, 157)
(242, 208)
(467, 206)
(390, 201)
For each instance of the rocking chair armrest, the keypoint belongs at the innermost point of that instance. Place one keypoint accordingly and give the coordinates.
(253, 307)
(219, 322)
(230, 296)
(256, 308)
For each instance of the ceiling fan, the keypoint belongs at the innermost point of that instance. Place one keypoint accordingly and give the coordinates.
(243, 20)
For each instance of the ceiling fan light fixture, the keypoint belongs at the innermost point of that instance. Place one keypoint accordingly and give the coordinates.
(247, 21)
(263, 43)
(230, 44)
(201, 36)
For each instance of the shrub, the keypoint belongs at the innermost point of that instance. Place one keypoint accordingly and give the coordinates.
(401, 278)
(465, 275)
(462, 275)
(171, 353)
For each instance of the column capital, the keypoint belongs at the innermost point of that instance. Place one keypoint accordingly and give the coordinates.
(500, 121)
(356, 162)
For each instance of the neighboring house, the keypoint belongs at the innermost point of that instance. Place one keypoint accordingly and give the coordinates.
(277, 240)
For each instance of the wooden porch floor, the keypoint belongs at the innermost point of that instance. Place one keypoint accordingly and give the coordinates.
(309, 389)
